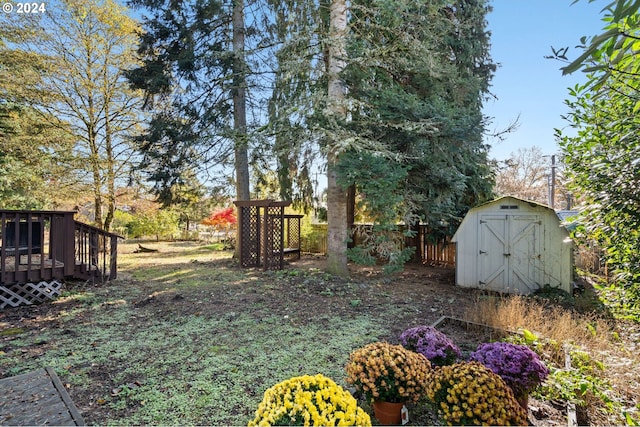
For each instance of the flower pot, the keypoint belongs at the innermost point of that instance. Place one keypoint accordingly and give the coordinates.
(523, 400)
(388, 413)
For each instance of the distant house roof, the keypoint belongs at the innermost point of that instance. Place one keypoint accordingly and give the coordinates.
(565, 215)
(568, 218)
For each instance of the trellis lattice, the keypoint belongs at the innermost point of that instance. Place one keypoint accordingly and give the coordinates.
(266, 234)
(292, 234)
(250, 237)
(273, 239)
(29, 293)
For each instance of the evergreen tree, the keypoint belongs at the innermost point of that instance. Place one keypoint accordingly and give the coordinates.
(418, 76)
(299, 89)
(411, 140)
(196, 73)
(455, 175)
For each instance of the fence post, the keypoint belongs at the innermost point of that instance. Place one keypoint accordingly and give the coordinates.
(113, 261)
(68, 244)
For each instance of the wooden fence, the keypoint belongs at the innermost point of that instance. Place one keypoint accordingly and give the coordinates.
(441, 253)
(429, 250)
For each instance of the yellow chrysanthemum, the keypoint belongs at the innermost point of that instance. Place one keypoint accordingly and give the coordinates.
(312, 400)
(466, 393)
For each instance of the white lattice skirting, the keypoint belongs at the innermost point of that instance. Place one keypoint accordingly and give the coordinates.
(29, 293)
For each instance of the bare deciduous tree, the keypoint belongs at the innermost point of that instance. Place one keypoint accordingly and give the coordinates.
(531, 175)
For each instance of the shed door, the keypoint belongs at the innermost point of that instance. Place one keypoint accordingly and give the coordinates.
(509, 254)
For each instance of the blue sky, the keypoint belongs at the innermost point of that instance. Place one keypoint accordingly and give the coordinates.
(522, 33)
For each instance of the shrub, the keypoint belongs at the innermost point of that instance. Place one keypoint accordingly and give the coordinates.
(468, 393)
(309, 400)
(432, 344)
(518, 365)
(582, 384)
(382, 371)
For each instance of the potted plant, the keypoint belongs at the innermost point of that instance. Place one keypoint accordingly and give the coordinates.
(469, 393)
(433, 344)
(518, 365)
(388, 376)
(309, 400)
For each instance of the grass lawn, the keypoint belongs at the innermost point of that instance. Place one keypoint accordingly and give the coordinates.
(184, 336)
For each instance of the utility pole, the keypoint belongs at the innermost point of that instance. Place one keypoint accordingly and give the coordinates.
(552, 188)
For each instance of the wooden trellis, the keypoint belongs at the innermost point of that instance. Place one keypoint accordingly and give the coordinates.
(266, 234)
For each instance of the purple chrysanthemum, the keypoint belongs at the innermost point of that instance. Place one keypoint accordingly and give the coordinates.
(431, 343)
(518, 365)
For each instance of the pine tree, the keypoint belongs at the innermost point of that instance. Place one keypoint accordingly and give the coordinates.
(196, 74)
(410, 139)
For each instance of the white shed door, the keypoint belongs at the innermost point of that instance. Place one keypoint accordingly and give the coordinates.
(509, 258)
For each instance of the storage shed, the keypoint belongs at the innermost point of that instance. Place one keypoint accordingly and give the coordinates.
(513, 245)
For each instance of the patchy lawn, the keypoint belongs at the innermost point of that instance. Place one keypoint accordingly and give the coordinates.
(184, 336)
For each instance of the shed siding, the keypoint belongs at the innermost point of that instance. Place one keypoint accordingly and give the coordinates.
(541, 248)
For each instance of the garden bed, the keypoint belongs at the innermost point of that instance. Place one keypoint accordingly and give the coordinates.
(467, 336)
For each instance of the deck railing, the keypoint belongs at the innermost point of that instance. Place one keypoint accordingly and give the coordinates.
(96, 253)
(47, 245)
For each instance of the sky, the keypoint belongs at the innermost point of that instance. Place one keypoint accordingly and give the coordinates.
(527, 84)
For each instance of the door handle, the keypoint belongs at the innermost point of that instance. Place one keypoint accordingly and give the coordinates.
(507, 255)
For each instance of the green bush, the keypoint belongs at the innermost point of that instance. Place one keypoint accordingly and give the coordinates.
(120, 223)
(581, 383)
(163, 224)
(311, 235)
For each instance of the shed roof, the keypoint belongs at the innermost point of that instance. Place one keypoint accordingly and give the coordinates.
(506, 199)
(503, 198)
(568, 218)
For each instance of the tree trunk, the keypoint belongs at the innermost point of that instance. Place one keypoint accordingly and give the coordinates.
(110, 171)
(94, 161)
(337, 222)
(240, 111)
(351, 213)
(336, 195)
(239, 104)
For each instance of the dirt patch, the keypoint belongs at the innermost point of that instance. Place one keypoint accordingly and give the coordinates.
(467, 335)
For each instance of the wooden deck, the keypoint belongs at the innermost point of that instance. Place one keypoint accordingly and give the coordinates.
(37, 398)
(51, 246)
(36, 261)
